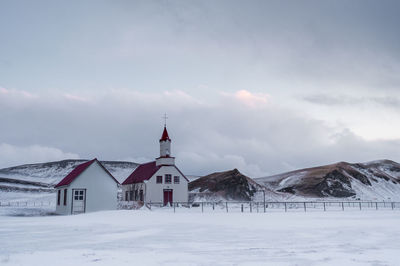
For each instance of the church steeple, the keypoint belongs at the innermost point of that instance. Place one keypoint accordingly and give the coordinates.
(165, 136)
(165, 144)
(165, 147)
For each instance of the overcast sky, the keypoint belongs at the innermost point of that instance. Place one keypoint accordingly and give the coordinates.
(263, 86)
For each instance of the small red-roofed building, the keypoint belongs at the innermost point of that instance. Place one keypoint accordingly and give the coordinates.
(89, 187)
(159, 181)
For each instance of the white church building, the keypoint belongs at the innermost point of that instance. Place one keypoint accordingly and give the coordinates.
(159, 181)
(89, 187)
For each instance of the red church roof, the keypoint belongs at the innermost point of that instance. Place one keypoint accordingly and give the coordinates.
(79, 170)
(142, 172)
(165, 136)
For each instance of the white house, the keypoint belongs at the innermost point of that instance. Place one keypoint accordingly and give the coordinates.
(89, 187)
(159, 181)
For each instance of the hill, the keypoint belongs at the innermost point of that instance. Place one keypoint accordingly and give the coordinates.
(228, 185)
(42, 177)
(377, 180)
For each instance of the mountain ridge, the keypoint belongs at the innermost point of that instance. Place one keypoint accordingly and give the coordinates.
(378, 179)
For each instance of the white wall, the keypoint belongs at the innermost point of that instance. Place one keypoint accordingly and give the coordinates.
(101, 190)
(165, 148)
(155, 192)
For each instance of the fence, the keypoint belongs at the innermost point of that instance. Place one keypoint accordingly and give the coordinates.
(237, 206)
(27, 203)
(251, 206)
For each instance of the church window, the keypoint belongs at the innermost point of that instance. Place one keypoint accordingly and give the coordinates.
(58, 197)
(176, 179)
(168, 179)
(159, 179)
(131, 195)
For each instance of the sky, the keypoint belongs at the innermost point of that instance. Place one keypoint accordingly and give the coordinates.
(262, 86)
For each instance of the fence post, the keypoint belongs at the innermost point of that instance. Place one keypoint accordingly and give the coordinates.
(257, 206)
(324, 207)
(376, 205)
(202, 203)
(226, 204)
(242, 208)
(305, 208)
(360, 205)
(251, 209)
(213, 205)
(174, 206)
(392, 206)
(285, 207)
(342, 206)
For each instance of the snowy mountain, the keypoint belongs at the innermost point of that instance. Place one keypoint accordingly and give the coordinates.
(377, 180)
(228, 185)
(42, 177)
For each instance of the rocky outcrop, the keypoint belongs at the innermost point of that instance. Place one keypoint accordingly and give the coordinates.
(231, 185)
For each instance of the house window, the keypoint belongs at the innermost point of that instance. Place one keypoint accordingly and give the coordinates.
(65, 197)
(78, 195)
(126, 195)
(176, 179)
(168, 179)
(159, 179)
(58, 197)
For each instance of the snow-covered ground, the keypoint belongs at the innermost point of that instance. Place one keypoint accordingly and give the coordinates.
(165, 238)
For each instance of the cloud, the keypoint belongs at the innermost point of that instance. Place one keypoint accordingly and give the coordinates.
(76, 98)
(248, 98)
(206, 136)
(348, 100)
(15, 155)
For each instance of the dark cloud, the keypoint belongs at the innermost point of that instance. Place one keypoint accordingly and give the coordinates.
(392, 102)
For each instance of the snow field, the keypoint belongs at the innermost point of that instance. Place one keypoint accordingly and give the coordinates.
(128, 237)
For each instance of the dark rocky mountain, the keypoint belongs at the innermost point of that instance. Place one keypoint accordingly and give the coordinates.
(367, 181)
(229, 185)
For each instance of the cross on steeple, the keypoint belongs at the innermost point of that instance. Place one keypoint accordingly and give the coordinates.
(165, 117)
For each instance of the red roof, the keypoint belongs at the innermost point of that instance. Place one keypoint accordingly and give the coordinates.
(165, 136)
(145, 172)
(79, 170)
(142, 172)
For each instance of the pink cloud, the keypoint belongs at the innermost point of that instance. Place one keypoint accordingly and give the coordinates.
(248, 98)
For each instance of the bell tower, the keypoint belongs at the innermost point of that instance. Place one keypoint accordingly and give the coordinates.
(165, 144)
(165, 148)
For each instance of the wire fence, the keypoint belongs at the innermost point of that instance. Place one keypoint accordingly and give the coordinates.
(235, 206)
(263, 207)
(31, 204)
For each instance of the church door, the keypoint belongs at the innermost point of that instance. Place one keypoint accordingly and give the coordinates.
(167, 196)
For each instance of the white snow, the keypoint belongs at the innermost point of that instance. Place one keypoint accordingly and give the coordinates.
(166, 238)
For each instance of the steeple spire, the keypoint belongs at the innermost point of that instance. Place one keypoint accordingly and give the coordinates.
(165, 136)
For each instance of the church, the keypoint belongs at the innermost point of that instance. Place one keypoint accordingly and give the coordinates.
(159, 181)
(91, 187)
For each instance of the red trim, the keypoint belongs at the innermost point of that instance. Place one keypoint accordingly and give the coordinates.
(181, 173)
